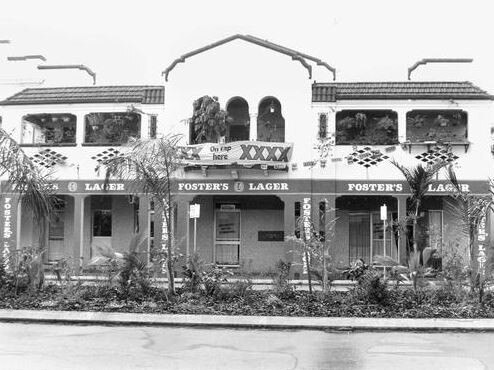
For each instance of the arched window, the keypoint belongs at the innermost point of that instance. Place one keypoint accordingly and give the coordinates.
(270, 121)
(238, 129)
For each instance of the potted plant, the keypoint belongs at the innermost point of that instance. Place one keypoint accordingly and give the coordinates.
(209, 122)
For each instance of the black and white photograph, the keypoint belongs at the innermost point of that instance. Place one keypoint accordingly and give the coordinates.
(246, 185)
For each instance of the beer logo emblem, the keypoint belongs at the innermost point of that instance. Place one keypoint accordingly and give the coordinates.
(72, 186)
(238, 186)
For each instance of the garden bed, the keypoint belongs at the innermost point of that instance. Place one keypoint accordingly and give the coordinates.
(241, 300)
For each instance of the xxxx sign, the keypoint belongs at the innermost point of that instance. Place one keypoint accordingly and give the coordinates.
(238, 152)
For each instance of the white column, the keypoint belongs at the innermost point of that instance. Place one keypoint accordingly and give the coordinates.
(80, 127)
(402, 125)
(253, 127)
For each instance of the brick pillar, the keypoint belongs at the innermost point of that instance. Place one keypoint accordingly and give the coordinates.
(183, 232)
(78, 252)
(402, 242)
(9, 234)
(289, 230)
(144, 227)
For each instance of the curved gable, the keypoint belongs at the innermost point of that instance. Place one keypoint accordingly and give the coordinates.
(302, 58)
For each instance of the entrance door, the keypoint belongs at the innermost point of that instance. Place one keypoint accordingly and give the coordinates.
(56, 233)
(102, 231)
(227, 237)
(359, 236)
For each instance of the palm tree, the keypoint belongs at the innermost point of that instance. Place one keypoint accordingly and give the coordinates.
(418, 178)
(471, 209)
(32, 187)
(24, 177)
(149, 166)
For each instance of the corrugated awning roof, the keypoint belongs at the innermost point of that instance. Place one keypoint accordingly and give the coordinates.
(89, 94)
(327, 92)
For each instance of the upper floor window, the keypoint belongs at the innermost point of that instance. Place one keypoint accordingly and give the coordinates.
(112, 128)
(366, 127)
(46, 128)
(239, 127)
(436, 125)
(270, 121)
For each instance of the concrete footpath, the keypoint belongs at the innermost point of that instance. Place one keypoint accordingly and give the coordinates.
(257, 322)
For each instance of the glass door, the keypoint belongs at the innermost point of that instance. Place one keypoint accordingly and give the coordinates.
(102, 231)
(56, 233)
(227, 237)
(359, 236)
(378, 238)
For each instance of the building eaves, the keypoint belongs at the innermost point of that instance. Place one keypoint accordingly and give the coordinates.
(88, 94)
(327, 92)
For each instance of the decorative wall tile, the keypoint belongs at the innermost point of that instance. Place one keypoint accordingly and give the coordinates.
(106, 154)
(48, 158)
(437, 154)
(366, 157)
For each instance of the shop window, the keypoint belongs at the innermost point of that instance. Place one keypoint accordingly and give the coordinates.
(112, 128)
(437, 125)
(366, 127)
(153, 125)
(323, 126)
(48, 129)
(270, 121)
(239, 127)
(102, 223)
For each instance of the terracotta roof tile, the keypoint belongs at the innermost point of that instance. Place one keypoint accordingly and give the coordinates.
(89, 94)
(325, 92)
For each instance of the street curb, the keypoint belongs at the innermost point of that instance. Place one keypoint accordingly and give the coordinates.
(246, 322)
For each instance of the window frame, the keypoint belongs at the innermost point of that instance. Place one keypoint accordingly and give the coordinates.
(378, 113)
(59, 116)
(102, 123)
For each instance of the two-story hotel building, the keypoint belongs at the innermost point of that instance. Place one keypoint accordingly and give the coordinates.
(267, 170)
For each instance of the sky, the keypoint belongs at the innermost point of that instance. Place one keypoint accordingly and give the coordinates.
(131, 42)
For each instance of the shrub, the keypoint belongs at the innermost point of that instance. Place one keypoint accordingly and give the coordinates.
(134, 275)
(213, 278)
(371, 288)
(192, 273)
(241, 288)
(356, 270)
(281, 281)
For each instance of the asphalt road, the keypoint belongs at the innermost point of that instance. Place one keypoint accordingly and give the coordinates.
(33, 346)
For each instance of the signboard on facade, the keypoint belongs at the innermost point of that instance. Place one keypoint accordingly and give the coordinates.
(482, 244)
(237, 152)
(262, 186)
(8, 228)
(195, 210)
(270, 236)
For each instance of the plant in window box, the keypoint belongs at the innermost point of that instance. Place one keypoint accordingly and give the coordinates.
(441, 121)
